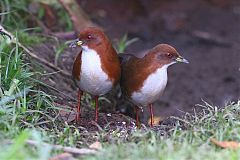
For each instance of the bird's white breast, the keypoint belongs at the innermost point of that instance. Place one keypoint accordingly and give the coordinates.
(152, 88)
(92, 78)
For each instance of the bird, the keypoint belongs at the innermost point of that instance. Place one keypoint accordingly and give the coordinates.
(144, 78)
(96, 68)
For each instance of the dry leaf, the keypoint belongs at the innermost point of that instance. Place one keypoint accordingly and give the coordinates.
(226, 144)
(96, 145)
(62, 156)
(156, 120)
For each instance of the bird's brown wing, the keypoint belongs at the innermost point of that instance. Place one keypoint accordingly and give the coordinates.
(77, 67)
(134, 73)
(130, 75)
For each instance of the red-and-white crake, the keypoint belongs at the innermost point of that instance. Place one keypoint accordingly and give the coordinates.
(96, 69)
(143, 79)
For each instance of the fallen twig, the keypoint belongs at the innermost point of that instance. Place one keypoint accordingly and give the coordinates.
(72, 150)
(4, 33)
(75, 151)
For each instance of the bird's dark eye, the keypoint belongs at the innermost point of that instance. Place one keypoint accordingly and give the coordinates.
(169, 55)
(89, 37)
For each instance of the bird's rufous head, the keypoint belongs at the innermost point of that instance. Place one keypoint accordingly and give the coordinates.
(166, 55)
(92, 37)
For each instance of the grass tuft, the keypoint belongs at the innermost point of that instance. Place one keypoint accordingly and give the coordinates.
(189, 139)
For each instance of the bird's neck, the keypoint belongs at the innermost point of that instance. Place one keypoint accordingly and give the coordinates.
(86, 49)
(160, 74)
(100, 49)
(165, 66)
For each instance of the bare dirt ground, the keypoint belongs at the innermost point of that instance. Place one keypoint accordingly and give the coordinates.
(206, 32)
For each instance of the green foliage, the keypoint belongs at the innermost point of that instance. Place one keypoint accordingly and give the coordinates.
(29, 39)
(16, 104)
(21, 107)
(124, 42)
(59, 48)
(16, 14)
(64, 20)
(17, 149)
(189, 139)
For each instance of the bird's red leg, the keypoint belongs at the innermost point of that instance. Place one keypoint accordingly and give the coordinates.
(137, 120)
(96, 108)
(79, 105)
(151, 113)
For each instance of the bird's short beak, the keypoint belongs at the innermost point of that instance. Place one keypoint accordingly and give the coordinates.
(76, 43)
(181, 59)
(79, 42)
